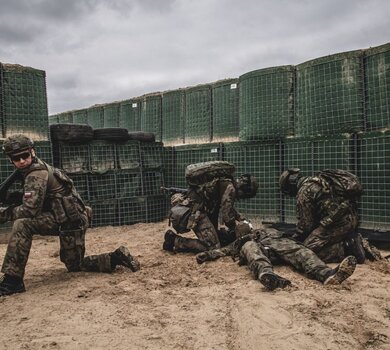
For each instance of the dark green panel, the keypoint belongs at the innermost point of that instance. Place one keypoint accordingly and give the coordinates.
(73, 158)
(130, 114)
(169, 166)
(173, 115)
(129, 183)
(132, 210)
(80, 116)
(225, 110)
(95, 116)
(80, 181)
(102, 186)
(102, 155)
(374, 172)
(197, 126)
(152, 182)
(151, 155)
(151, 114)
(128, 155)
(329, 95)
(111, 115)
(377, 83)
(266, 103)
(105, 213)
(23, 101)
(157, 208)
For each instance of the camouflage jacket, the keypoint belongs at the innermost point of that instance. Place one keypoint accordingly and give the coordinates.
(316, 206)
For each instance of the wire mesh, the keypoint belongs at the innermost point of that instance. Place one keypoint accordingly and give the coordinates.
(169, 168)
(152, 182)
(128, 155)
(173, 115)
(111, 115)
(157, 208)
(23, 102)
(95, 116)
(377, 87)
(104, 213)
(151, 114)
(53, 119)
(72, 158)
(151, 155)
(132, 210)
(198, 109)
(225, 125)
(80, 181)
(80, 116)
(102, 186)
(266, 103)
(329, 95)
(130, 114)
(102, 156)
(65, 118)
(129, 183)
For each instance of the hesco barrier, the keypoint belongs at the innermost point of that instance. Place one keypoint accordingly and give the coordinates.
(105, 212)
(73, 158)
(169, 169)
(173, 115)
(262, 160)
(53, 119)
(102, 186)
(130, 114)
(129, 183)
(128, 155)
(313, 154)
(80, 116)
(377, 87)
(225, 126)
(80, 181)
(95, 116)
(151, 114)
(23, 102)
(132, 210)
(102, 156)
(151, 155)
(329, 95)
(111, 115)
(374, 172)
(190, 154)
(266, 103)
(198, 109)
(65, 118)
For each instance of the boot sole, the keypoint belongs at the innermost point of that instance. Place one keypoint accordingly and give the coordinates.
(345, 270)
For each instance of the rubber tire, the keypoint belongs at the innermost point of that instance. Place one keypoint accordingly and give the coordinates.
(75, 133)
(111, 134)
(142, 136)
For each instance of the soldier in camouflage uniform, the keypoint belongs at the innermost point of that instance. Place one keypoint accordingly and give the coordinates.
(264, 248)
(327, 222)
(200, 210)
(50, 205)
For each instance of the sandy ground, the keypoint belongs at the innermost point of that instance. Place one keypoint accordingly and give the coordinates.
(174, 303)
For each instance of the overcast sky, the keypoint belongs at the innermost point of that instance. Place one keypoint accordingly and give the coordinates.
(101, 51)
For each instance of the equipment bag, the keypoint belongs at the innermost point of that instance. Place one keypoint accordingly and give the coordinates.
(201, 173)
(342, 183)
(178, 217)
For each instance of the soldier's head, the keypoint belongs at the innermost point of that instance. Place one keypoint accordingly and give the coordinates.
(288, 181)
(20, 150)
(246, 186)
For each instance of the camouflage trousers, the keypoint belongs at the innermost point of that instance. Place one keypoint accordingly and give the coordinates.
(207, 237)
(262, 254)
(328, 242)
(72, 246)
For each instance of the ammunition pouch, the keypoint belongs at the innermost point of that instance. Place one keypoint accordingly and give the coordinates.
(66, 210)
(179, 218)
(335, 214)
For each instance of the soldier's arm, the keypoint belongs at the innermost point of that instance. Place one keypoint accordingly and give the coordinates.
(34, 192)
(306, 208)
(228, 212)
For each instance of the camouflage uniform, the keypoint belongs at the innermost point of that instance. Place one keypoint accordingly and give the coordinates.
(207, 205)
(324, 220)
(42, 212)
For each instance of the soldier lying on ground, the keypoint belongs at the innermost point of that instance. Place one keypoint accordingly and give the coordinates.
(201, 206)
(50, 206)
(263, 248)
(327, 213)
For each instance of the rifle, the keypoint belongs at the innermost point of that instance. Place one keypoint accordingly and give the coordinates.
(174, 189)
(10, 198)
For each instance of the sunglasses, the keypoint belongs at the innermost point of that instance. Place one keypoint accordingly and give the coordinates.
(20, 156)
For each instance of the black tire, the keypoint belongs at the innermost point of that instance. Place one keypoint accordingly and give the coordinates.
(111, 134)
(142, 136)
(75, 133)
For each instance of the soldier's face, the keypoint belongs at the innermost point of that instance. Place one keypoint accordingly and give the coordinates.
(23, 159)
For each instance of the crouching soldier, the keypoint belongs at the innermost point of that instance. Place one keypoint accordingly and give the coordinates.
(50, 205)
(211, 194)
(267, 247)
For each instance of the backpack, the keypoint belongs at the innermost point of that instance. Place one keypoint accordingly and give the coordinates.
(342, 183)
(202, 173)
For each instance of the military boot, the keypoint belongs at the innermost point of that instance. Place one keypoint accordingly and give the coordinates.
(169, 240)
(353, 245)
(344, 270)
(122, 256)
(11, 285)
(271, 280)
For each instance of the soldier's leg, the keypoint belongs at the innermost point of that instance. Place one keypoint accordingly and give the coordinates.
(333, 253)
(261, 267)
(206, 232)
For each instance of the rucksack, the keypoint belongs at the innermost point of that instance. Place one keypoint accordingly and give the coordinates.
(342, 183)
(201, 173)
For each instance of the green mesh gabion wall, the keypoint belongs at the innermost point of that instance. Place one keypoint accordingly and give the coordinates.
(95, 116)
(266, 103)
(102, 156)
(80, 181)
(151, 155)
(53, 119)
(374, 172)
(225, 125)
(80, 116)
(169, 169)
(72, 158)
(377, 87)
(65, 118)
(129, 183)
(23, 102)
(261, 159)
(329, 95)
(190, 154)
(173, 115)
(130, 114)
(156, 208)
(132, 210)
(111, 115)
(198, 109)
(105, 212)
(151, 114)
(128, 155)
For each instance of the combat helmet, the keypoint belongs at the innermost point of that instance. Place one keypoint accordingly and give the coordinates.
(17, 143)
(247, 186)
(288, 181)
